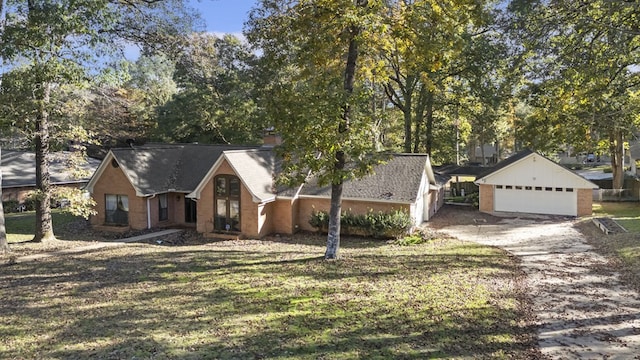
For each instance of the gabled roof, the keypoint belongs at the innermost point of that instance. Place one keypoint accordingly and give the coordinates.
(254, 167)
(528, 158)
(397, 180)
(188, 168)
(159, 168)
(505, 163)
(19, 169)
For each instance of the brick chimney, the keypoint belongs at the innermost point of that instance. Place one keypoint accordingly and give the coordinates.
(271, 138)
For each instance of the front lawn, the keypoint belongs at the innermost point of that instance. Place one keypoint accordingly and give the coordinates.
(21, 226)
(625, 248)
(272, 299)
(626, 214)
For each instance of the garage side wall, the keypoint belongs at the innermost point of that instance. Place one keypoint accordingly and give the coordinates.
(585, 202)
(486, 198)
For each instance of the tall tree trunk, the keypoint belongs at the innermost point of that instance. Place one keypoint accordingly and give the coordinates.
(429, 122)
(44, 224)
(484, 159)
(4, 244)
(418, 115)
(617, 154)
(408, 114)
(416, 133)
(333, 236)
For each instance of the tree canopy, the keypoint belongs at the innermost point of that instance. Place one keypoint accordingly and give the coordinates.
(50, 44)
(582, 76)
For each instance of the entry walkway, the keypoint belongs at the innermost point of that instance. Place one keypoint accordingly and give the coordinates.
(96, 246)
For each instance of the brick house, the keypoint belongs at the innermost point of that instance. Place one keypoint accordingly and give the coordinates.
(226, 189)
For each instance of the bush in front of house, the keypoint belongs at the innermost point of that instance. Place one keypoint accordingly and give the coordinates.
(379, 224)
(11, 206)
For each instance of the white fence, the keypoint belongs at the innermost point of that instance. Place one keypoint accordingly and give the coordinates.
(614, 195)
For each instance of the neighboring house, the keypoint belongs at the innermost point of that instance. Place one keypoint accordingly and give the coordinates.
(528, 182)
(490, 152)
(19, 173)
(222, 189)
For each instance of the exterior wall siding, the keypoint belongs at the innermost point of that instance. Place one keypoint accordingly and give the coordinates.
(113, 181)
(281, 212)
(486, 198)
(176, 209)
(585, 202)
(435, 200)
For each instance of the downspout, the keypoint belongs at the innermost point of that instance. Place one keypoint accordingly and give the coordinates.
(149, 210)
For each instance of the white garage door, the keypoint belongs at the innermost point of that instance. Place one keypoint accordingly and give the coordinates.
(536, 200)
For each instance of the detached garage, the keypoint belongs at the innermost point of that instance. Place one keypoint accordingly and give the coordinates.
(528, 182)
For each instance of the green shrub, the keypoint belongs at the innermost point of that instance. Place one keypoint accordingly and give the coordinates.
(474, 199)
(413, 239)
(10, 206)
(377, 224)
(320, 220)
(421, 236)
(30, 201)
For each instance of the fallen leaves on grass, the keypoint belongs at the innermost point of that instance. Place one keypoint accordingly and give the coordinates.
(274, 299)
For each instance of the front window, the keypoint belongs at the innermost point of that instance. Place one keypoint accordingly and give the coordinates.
(116, 209)
(227, 203)
(163, 207)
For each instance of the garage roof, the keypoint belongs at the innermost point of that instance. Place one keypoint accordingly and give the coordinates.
(528, 167)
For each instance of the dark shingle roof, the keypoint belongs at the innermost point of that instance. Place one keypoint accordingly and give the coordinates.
(396, 180)
(464, 170)
(19, 169)
(163, 167)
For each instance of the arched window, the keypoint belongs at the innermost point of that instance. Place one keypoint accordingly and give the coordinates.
(227, 203)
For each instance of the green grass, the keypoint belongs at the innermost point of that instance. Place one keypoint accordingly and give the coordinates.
(21, 226)
(623, 247)
(273, 299)
(626, 214)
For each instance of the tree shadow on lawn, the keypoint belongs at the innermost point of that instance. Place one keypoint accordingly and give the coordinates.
(226, 303)
(479, 333)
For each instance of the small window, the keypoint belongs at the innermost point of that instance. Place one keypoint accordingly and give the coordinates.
(528, 188)
(559, 189)
(163, 207)
(498, 186)
(548, 188)
(569, 190)
(518, 187)
(538, 188)
(116, 209)
(509, 187)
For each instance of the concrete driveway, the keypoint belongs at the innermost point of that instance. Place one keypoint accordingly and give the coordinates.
(583, 310)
